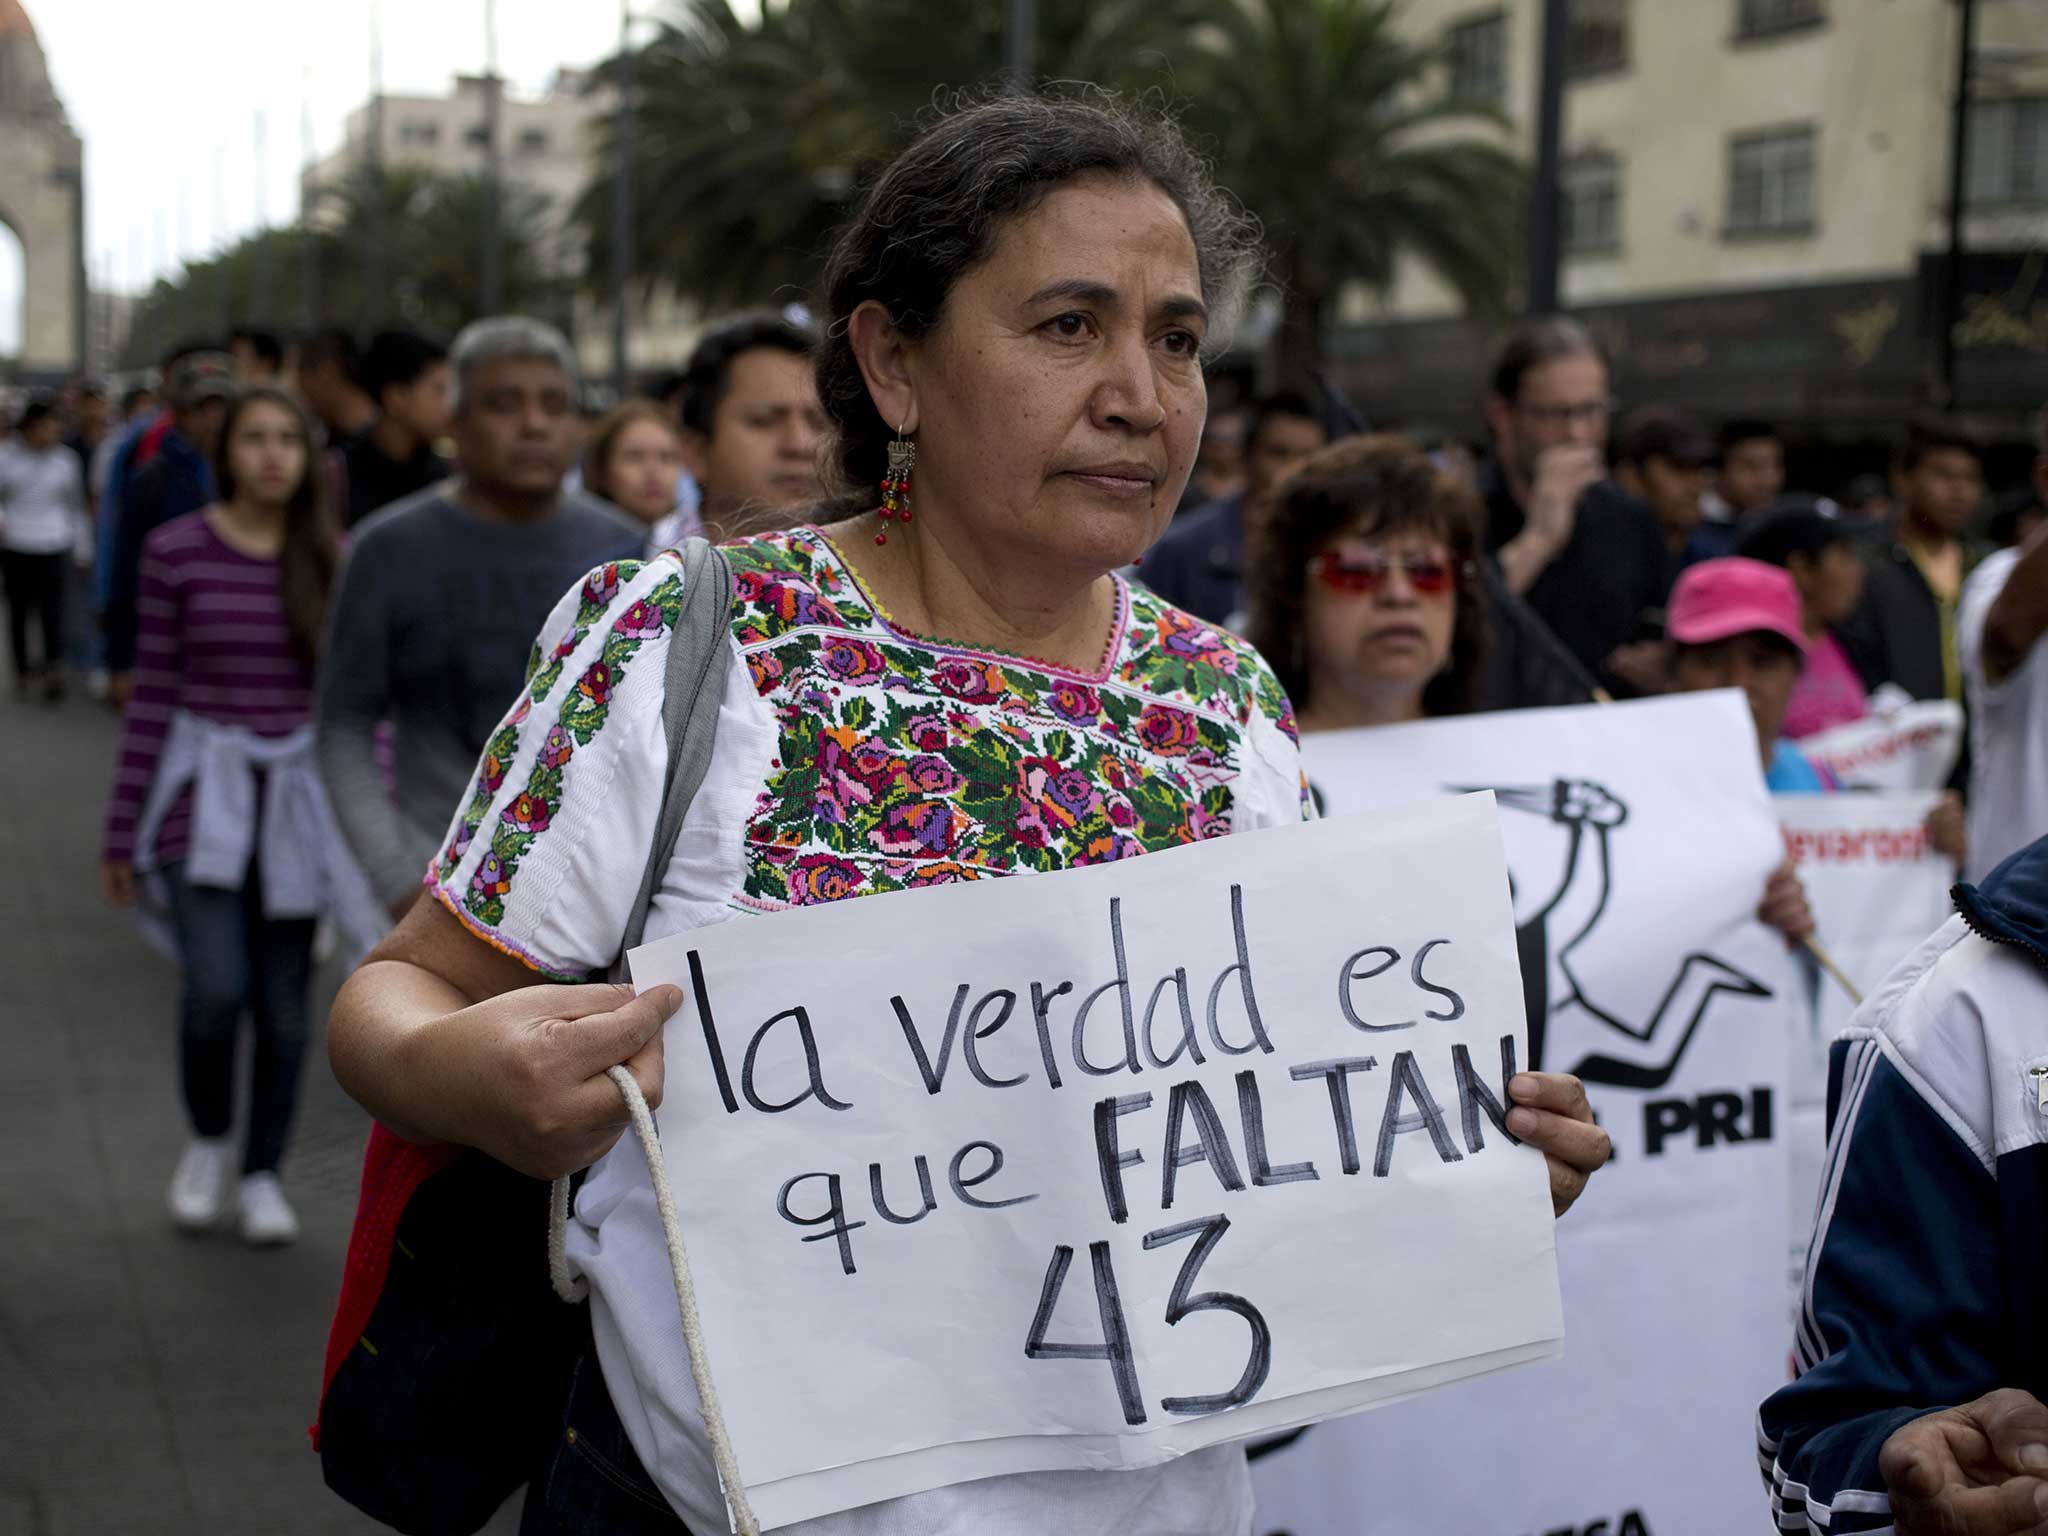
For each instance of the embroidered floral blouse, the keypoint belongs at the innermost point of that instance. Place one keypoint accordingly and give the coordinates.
(851, 758)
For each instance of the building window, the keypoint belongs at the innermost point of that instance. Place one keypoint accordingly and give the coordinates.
(476, 137)
(1596, 38)
(1770, 182)
(1590, 190)
(1767, 18)
(533, 141)
(418, 134)
(1477, 51)
(2009, 152)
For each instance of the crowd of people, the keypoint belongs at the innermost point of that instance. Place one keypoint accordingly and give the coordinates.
(361, 603)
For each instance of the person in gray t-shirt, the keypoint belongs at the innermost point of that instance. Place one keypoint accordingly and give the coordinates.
(443, 593)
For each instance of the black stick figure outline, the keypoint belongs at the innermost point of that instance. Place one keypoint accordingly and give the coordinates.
(1592, 813)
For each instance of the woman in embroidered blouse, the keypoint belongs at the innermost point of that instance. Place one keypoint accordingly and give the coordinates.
(1025, 295)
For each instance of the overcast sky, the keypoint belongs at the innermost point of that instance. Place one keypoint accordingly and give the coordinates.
(166, 94)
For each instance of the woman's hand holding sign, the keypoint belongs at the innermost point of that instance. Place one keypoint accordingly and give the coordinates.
(443, 1039)
(1551, 1114)
(531, 1090)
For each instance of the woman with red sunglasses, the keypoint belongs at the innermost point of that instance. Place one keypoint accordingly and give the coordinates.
(1366, 596)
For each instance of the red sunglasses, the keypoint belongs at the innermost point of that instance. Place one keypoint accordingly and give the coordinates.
(1362, 574)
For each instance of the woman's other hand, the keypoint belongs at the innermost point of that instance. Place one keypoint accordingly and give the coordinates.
(1551, 1114)
(1946, 827)
(1784, 905)
(117, 882)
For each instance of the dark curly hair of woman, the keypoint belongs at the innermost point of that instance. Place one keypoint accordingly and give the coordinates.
(1368, 487)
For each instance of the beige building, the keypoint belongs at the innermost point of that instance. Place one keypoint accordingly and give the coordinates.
(1754, 204)
(547, 143)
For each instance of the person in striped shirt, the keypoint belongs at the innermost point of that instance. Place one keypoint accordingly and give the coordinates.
(217, 819)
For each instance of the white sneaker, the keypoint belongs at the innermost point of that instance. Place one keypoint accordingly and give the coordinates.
(200, 1186)
(267, 1219)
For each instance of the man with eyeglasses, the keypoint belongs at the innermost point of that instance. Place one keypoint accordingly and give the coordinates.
(1586, 556)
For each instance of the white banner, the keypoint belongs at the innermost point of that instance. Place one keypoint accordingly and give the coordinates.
(1900, 747)
(1639, 838)
(1877, 888)
(1095, 1169)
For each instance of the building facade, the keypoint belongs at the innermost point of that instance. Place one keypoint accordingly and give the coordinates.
(1753, 208)
(546, 143)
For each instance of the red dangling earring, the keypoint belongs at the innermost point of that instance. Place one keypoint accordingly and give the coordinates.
(896, 483)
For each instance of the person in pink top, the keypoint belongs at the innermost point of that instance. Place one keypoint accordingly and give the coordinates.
(1820, 553)
(216, 819)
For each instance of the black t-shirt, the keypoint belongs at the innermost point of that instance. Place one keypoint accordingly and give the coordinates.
(373, 480)
(1608, 584)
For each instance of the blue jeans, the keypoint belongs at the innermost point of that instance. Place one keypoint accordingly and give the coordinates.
(239, 961)
(591, 1483)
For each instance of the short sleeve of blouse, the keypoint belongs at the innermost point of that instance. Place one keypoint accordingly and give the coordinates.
(1274, 788)
(544, 859)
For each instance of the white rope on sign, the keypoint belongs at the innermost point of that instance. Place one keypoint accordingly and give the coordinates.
(568, 1288)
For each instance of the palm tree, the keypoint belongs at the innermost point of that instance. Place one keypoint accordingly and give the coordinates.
(752, 140)
(430, 227)
(1329, 124)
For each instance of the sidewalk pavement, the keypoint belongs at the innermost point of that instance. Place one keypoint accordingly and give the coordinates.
(150, 1381)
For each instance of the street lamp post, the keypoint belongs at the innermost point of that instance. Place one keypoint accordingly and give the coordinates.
(374, 189)
(1544, 194)
(622, 202)
(1951, 293)
(491, 268)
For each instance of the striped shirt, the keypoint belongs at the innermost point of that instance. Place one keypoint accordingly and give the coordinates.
(212, 640)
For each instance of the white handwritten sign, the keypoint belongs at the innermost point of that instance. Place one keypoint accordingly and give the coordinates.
(1095, 1169)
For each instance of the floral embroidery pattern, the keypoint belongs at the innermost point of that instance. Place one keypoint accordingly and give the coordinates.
(901, 764)
(543, 671)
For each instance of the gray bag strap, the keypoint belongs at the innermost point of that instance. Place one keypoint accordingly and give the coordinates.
(699, 654)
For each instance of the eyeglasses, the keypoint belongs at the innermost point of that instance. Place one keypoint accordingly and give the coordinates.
(1358, 575)
(1590, 412)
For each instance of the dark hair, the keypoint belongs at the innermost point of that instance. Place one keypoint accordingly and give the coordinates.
(1662, 432)
(596, 475)
(263, 343)
(37, 410)
(395, 358)
(1934, 434)
(708, 374)
(1793, 525)
(189, 346)
(1865, 489)
(1372, 486)
(133, 396)
(669, 388)
(1744, 429)
(332, 346)
(1538, 340)
(311, 553)
(1287, 402)
(935, 212)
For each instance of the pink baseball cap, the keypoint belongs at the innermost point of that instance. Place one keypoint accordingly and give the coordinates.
(1733, 596)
